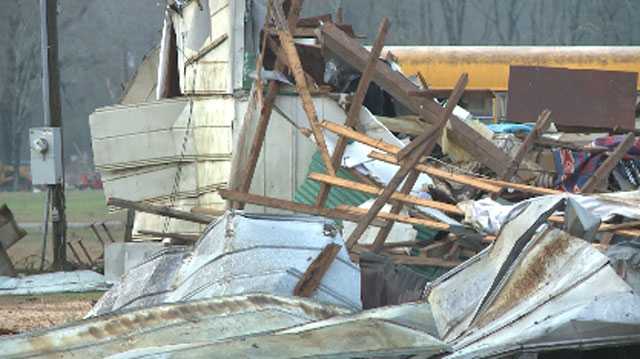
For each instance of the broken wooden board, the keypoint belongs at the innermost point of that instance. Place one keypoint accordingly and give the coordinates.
(398, 86)
(10, 232)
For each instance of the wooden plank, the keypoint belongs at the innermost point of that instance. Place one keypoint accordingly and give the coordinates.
(375, 190)
(489, 185)
(286, 40)
(382, 199)
(411, 125)
(288, 205)
(601, 174)
(356, 211)
(265, 113)
(352, 52)
(160, 211)
(423, 261)
(6, 266)
(312, 277)
(443, 174)
(202, 53)
(178, 236)
(10, 232)
(430, 141)
(356, 105)
(543, 123)
(406, 167)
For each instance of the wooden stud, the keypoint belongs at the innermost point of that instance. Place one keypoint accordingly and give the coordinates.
(601, 174)
(543, 123)
(273, 89)
(356, 105)
(375, 190)
(160, 211)
(452, 102)
(286, 40)
(178, 236)
(310, 281)
(398, 86)
(489, 185)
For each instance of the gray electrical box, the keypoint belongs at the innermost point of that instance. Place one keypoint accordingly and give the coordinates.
(46, 155)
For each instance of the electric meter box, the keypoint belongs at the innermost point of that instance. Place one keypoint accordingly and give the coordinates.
(46, 155)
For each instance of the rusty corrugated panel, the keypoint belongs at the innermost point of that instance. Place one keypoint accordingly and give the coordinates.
(168, 324)
(579, 100)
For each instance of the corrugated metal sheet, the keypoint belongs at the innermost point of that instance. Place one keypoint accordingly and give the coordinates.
(536, 287)
(307, 192)
(360, 338)
(168, 324)
(278, 250)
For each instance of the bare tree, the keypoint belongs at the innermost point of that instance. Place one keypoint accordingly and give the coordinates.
(454, 12)
(16, 92)
(427, 33)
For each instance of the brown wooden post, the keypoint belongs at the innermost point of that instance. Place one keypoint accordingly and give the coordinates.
(602, 173)
(452, 102)
(265, 113)
(356, 105)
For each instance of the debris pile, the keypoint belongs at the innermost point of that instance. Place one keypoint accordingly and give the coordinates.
(420, 228)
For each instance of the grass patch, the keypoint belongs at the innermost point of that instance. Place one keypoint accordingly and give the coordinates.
(82, 206)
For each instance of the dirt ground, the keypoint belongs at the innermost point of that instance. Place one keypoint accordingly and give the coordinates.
(19, 314)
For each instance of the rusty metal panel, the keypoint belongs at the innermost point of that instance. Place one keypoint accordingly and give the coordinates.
(168, 324)
(580, 100)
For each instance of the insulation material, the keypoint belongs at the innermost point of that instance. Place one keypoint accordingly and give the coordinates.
(488, 216)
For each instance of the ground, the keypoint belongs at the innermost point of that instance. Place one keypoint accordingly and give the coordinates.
(24, 313)
(83, 208)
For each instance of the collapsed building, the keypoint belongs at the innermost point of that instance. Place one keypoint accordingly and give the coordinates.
(420, 229)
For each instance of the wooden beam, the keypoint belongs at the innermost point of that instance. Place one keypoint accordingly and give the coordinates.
(352, 52)
(443, 174)
(310, 281)
(286, 40)
(10, 232)
(289, 206)
(543, 123)
(406, 167)
(202, 53)
(430, 141)
(178, 236)
(356, 105)
(489, 185)
(356, 211)
(411, 125)
(6, 266)
(295, 66)
(382, 199)
(267, 108)
(423, 261)
(160, 210)
(602, 173)
(366, 188)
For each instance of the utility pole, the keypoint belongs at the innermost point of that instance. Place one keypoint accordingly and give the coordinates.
(53, 118)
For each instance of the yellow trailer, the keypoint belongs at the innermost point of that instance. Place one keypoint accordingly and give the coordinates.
(488, 66)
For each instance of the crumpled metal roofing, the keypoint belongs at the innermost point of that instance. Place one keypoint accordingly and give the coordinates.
(240, 254)
(535, 288)
(168, 324)
(390, 332)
